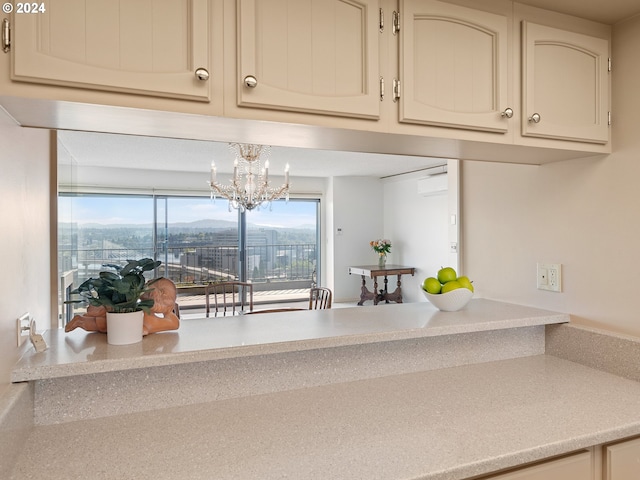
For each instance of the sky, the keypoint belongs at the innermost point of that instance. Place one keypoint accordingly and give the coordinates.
(109, 210)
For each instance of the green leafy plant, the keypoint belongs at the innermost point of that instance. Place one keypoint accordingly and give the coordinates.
(119, 291)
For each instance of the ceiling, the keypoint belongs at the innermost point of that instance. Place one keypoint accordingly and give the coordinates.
(88, 149)
(604, 11)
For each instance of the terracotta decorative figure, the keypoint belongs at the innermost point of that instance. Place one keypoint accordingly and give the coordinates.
(95, 320)
(161, 316)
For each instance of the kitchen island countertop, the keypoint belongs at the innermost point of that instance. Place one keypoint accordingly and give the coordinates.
(198, 340)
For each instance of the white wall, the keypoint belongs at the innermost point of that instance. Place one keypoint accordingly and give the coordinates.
(367, 208)
(357, 209)
(24, 243)
(581, 213)
(418, 227)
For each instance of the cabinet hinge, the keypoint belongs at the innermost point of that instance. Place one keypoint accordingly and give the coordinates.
(381, 88)
(609, 118)
(396, 89)
(609, 64)
(395, 28)
(381, 21)
(6, 35)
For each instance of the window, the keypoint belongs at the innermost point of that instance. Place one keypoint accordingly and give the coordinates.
(198, 240)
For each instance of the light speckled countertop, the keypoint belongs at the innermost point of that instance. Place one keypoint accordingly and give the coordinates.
(82, 353)
(445, 424)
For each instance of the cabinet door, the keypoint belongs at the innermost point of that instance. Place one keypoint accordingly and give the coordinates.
(623, 461)
(150, 47)
(453, 66)
(574, 467)
(317, 56)
(565, 85)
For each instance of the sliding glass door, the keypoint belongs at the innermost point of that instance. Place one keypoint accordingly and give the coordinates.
(199, 242)
(94, 230)
(283, 242)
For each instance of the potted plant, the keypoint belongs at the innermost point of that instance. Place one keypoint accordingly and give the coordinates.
(119, 293)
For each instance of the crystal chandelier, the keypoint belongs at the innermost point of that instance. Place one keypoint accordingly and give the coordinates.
(249, 187)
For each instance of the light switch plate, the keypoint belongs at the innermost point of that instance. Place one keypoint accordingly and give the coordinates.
(22, 328)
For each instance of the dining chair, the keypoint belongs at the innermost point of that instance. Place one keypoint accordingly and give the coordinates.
(189, 298)
(229, 298)
(319, 298)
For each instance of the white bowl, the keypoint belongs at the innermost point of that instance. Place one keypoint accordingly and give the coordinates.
(451, 301)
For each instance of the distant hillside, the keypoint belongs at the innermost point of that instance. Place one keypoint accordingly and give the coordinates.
(206, 224)
(198, 225)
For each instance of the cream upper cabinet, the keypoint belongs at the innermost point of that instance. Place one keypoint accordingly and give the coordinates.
(565, 85)
(151, 47)
(574, 467)
(453, 66)
(622, 461)
(317, 56)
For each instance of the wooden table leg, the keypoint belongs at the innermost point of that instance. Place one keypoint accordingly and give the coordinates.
(386, 291)
(396, 296)
(365, 294)
(375, 290)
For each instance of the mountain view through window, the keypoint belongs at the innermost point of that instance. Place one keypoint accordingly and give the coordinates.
(197, 239)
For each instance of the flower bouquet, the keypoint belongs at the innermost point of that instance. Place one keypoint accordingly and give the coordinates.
(382, 247)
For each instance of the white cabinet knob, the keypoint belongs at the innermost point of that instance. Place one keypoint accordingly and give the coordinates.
(535, 118)
(202, 74)
(508, 112)
(251, 81)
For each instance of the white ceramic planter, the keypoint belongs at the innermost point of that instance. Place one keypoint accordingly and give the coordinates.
(124, 328)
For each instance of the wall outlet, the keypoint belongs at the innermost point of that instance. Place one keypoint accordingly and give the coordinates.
(36, 339)
(550, 277)
(23, 328)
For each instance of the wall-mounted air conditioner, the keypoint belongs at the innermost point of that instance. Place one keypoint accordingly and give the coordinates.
(436, 181)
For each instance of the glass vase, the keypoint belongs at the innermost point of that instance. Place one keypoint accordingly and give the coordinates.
(382, 260)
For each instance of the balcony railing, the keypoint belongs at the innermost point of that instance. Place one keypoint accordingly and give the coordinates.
(277, 266)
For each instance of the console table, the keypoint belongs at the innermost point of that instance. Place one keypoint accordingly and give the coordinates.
(374, 271)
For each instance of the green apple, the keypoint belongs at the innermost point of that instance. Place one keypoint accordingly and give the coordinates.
(431, 285)
(452, 285)
(465, 282)
(446, 274)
